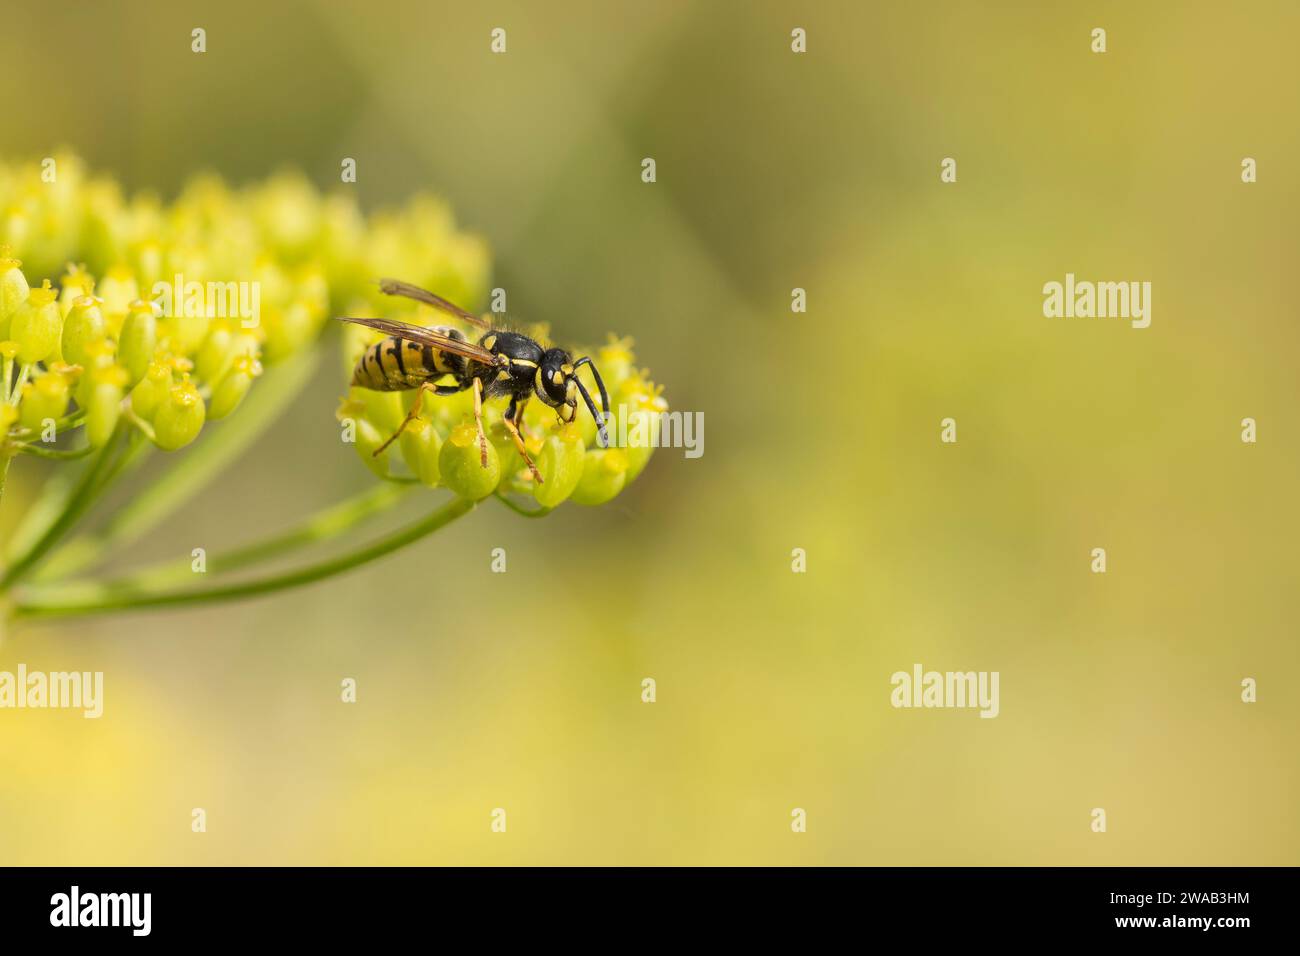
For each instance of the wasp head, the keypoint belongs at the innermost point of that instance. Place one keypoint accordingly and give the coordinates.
(560, 387)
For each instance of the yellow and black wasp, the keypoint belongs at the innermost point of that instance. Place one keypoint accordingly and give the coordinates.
(502, 363)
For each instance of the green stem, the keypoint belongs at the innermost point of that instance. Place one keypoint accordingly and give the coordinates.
(68, 600)
(23, 371)
(40, 451)
(40, 514)
(140, 424)
(64, 424)
(92, 481)
(200, 464)
(56, 498)
(520, 510)
(5, 459)
(324, 525)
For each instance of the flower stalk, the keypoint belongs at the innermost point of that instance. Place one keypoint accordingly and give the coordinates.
(75, 599)
(189, 475)
(324, 526)
(127, 347)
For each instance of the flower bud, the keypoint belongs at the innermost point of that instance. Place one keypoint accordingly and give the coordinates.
(421, 445)
(383, 408)
(368, 439)
(604, 474)
(13, 292)
(234, 385)
(147, 257)
(314, 290)
(137, 340)
(75, 283)
(99, 355)
(560, 463)
(104, 406)
(84, 325)
(641, 428)
(35, 325)
(215, 352)
(187, 322)
(291, 329)
(588, 427)
(179, 418)
(361, 432)
(448, 411)
(45, 398)
(117, 290)
(615, 360)
(150, 391)
(501, 439)
(460, 466)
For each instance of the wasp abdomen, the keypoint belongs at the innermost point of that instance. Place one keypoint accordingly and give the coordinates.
(394, 365)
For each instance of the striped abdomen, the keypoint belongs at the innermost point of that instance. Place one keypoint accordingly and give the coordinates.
(394, 364)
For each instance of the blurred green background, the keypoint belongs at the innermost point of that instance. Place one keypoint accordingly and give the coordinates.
(775, 170)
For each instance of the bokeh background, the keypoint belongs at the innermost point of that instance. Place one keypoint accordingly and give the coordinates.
(775, 170)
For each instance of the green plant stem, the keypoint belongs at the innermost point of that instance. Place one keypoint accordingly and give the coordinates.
(39, 451)
(68, 600)
(140, 424)
(69, 422)
(17, 393)
(56, 497)
(64, 424)
(324, 525)
(40, 514)
(199, 465)
(5, 459)
(5, 455)
(520, 510)
(99, 472)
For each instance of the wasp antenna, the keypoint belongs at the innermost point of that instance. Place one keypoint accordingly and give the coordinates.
(600, 384)
(591, 406)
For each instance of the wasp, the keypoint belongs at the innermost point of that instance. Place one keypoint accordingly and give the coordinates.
(501, 363)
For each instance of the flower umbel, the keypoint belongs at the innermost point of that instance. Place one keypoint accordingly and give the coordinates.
(569, 455)
(129, 325)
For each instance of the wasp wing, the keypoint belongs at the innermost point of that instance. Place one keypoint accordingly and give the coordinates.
(422, 336)
(398, 287)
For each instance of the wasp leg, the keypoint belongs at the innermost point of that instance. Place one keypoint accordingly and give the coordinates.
(478, 421)
(514, 415)
(519, 417)
(413, 414)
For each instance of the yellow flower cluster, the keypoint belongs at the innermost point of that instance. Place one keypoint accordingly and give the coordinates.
(440, 448)
(121, 310)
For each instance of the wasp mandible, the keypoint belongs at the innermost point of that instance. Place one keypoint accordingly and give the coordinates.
(501, 363)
